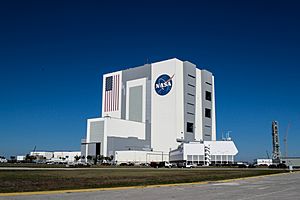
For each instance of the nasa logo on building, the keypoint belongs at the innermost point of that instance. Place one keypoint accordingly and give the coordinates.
(163, 84)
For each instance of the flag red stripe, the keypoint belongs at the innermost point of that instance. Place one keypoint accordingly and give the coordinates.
(109, 102)
(105, 101)
(107, 108)
(112, 95)
(118, 91)
(117, 95)
(114, 99)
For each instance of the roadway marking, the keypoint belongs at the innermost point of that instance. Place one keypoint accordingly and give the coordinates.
(229, 184)
(133, 187)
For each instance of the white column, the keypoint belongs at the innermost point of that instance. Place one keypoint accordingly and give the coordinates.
(213, 119)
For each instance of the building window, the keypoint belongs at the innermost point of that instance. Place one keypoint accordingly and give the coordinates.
(191, 76)
(207, 113)
(208, 96)
(189, 127)
(190, 113)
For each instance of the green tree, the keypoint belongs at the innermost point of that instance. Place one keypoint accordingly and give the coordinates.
(77, 158)
(89, 158)
(100, 158)
(30, 158)
(111, 158)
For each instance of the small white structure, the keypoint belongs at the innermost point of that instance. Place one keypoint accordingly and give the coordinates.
(68, 156)
(3, 160)
(139, 157)
(206, 153)
(21, 158)
(264, 162)
(47, 155)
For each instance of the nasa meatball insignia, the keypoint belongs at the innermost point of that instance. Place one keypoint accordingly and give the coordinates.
(163, 84)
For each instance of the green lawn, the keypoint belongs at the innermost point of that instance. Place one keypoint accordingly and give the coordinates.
(21, 180)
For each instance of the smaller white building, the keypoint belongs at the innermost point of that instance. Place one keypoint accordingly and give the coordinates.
(67, 156)
(205, 153)
(47, 155)
(139, 157)
(3, 160)
(21, 158)
(264, 162)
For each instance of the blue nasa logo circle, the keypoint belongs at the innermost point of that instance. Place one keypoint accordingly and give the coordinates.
(163, 84)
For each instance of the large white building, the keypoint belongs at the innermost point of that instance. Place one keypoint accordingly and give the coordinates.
(152, 109)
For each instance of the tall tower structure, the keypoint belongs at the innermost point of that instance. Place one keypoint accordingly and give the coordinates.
(275, 138)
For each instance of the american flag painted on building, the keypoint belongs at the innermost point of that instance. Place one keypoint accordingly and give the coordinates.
(111, 98)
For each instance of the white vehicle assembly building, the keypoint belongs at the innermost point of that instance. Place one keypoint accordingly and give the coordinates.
(159, 111)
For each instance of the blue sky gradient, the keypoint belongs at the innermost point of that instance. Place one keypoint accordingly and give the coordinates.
(53, 55)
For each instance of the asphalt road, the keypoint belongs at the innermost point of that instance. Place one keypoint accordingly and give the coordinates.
(283, 186)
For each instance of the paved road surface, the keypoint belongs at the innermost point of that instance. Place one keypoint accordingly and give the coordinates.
(283, 187)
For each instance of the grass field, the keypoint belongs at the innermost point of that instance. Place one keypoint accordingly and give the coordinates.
(21, 180)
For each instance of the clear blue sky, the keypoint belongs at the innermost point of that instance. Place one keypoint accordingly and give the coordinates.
(53, 55)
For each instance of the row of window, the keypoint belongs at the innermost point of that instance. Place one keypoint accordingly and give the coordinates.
(207, 112)
(190, 126)
(191, 76)
(207, 95)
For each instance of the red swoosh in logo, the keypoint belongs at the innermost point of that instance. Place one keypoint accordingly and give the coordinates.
(169, 80)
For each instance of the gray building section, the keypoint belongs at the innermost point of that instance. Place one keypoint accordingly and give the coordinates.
(206, 84)
(133, 74)
(113, 143)
(96, 136)
(148, 109)
(83, 147)
(135, 110)
(189, 73)
(291, 161)
(136, 104)
(189, 78)
(125, 144)
(135, 114)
